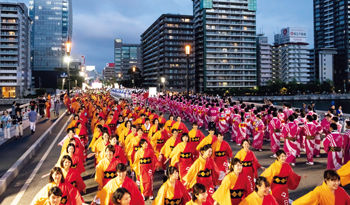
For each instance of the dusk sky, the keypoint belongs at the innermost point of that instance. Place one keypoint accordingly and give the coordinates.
(97, 23)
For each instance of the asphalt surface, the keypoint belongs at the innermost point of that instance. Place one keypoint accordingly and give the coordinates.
(314, 173)
(13, 149)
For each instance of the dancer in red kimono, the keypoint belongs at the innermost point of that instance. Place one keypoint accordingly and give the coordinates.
(144, 166)
(48, 106)
(106, 194)
(222, 124)
(275, 127)
(250, 163)
(71, 175)
(261, 195)
(184, 155)
(180, 126)
(222, 154)
(329, 193)
(172, 191)
(258, 133)
(106, 168)
(70, 195)
(157, 141)
(196, 136)
(333, 146)
(241, 130)
(199, 195)
(234, 186)
(119, 151)
(281, 177)
(203, 171)
(210, 139)
(290, 132)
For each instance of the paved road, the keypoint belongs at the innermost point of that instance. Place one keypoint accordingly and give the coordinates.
(13, 149)
(314, 173)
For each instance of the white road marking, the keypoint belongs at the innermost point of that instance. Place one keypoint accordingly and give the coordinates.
(32, 175)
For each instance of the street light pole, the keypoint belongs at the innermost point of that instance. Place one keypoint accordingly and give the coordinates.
(163, 81)
(68, 49)
(134, 70)
(188, 48)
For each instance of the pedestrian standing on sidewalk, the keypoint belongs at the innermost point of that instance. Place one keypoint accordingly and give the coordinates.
(41, 106)
(57, 107)
(13, 111)
(18, 124)
(33, 116)
(6, 121)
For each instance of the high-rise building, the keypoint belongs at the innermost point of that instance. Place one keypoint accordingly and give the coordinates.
(325, 57)
(263, 59)
(291, 56)
(163, 49)
(108, 72)
(331, 30)
(126, 56)
(15, 72)
(52, 28)
(225, 34)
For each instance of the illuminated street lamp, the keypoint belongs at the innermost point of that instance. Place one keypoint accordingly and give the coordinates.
(67, 59)
(163, 81)
(188, 51)
(134, 70)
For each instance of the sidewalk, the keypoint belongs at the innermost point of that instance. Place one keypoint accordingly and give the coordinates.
(11, 150)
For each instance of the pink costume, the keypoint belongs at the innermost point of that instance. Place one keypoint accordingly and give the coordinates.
(222, 125)
(325, 125)
(236, 119)
(213, 115)
(317, 138)
(258, 134)
(241, 133)
(290, 133)
(333, 145)
(346, 137)
(275, 127)
(310, 131)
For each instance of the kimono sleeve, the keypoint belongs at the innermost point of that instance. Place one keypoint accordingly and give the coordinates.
(293, 180)
(41, 195)
(221, 195)
(136, 197)
(74, 195)
(99, 174)
(215, 172)
(191, 176)
(311, 198)
(80, 183)
(175, 155)
(159, 200)
(326, 143)
(228, 150)
(344, 173)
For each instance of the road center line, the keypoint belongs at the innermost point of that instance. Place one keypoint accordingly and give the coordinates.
(32, 175)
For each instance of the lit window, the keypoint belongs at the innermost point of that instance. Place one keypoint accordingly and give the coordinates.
(36, 17)
(48, 2)
(40, 7)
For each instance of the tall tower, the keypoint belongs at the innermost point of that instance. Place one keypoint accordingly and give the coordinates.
(52, 28)
(331, 30)
(225, 42)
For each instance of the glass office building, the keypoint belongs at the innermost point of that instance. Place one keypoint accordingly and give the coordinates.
(126, 56)
(52, 27)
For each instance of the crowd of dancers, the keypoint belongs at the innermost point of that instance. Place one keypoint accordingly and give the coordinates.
(200, 170)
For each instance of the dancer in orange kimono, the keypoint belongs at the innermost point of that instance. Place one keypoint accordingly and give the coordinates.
(222, 154)
(234, 186)
(105, 196)
(158, 140)
(249, 162)
(169, 123)
(144, 166)
(71, 175)
(180, 126)
(184, 153)
(48, 106)
(329, 193)
(203, 171)
(261, 195)
(70, 195)
(210, 139)
(169, 145)
(199, 195)
(281, 177)
(172, 191)
(196, 136)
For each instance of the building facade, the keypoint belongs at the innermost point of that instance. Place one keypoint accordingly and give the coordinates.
(331, 30)
(108, 72)
(323, 63)
(290, 58)
(225, 42)
(163, 50)
(126, 56)
(52, 28)
(15, 72)
(264, 60)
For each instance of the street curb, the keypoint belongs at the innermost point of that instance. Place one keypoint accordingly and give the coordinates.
(12, 173)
